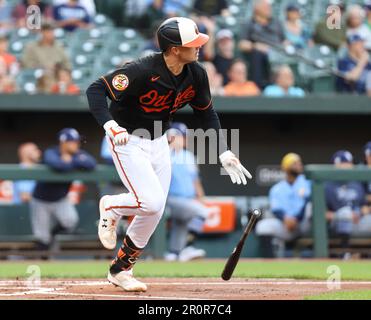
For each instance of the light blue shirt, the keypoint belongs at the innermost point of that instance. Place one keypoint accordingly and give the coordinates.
(22, 186)
(105, 152)
(184, 173)
(276, 91)
(290, 199)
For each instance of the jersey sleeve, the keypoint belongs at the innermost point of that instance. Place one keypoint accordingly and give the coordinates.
(121, 82)
(202, 99)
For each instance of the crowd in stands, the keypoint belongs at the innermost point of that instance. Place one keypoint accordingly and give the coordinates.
(239, 60)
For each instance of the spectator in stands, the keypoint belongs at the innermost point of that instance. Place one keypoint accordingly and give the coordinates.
(8, 67)
(177, 8)
(71, 16)
(288, 201)
(45, 53)
(44, 84)
(64, 83)
(6, 21)
(296, 32)
(355, 67)
(20, 12)
(260, 33)
(356, 24)
(10, 61)
(344, 201)
(135, 12)
(49, 199)
(187, 213)
(332, 37)
(367, 185)
(284, 81)
(368, 13)
(238, 84)
(224, 55)
(7, 83)
(211, 7)
(215, 79)
(152, 17)
(88, 5)
(29, 154)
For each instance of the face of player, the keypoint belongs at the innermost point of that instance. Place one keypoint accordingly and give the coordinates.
(30, 153)
(344, 165)
(296, 168)
(188, 55)
(177, 142)
(71, 147)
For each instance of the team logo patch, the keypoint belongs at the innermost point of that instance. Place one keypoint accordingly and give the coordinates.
(120, 82)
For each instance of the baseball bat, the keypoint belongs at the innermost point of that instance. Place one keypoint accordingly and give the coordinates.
(235, 256)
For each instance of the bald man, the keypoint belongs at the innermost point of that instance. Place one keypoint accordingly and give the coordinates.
(288, 200)
(29, 154)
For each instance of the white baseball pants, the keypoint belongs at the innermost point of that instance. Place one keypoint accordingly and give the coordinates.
(144, 167)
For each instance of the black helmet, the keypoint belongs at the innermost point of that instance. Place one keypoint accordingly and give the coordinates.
(180, 32)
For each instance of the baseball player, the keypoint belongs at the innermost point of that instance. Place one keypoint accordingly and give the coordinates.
(145, 93)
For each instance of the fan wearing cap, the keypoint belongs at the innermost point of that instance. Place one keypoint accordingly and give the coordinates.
(145, 94)
(225, 52)
(356, 67)
(344, 201)
(288, 200)
(296, 32)
(49, 199)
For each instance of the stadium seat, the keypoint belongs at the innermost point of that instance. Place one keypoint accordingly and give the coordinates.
(324, 60)
(27, 78)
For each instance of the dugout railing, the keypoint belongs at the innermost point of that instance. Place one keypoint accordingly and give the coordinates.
(319, 174)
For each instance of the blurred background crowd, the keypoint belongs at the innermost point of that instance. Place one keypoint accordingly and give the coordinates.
(273, 48)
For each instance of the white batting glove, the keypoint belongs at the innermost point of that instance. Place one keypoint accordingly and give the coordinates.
(234, 168)
(118, 134)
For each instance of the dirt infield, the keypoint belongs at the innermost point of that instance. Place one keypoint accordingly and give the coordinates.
(173, 288)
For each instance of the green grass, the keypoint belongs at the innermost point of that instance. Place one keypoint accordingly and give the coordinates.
(296, 269)
(343, 295)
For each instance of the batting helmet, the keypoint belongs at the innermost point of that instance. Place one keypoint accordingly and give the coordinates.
(180, 32)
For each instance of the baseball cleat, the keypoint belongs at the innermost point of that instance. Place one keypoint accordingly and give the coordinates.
(126, 281)
(107, 227)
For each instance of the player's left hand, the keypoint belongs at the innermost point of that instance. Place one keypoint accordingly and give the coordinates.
(234, 168)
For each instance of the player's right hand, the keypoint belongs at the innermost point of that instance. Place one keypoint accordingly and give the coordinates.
(118, 134)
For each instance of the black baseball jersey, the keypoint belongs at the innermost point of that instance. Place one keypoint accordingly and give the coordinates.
(145, 91)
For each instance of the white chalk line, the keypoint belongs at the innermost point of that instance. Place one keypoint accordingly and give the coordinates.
(165, 283)
(54, 292)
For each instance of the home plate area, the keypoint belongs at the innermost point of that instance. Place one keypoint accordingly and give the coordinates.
(173, 289)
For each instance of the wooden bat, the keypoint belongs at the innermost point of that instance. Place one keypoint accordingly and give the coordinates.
(235, 256)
